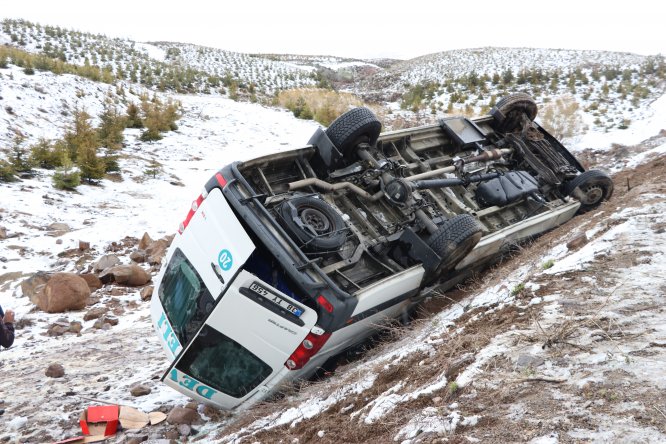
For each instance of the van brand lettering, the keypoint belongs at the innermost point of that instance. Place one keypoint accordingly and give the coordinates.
(168, 334)
(192, 384)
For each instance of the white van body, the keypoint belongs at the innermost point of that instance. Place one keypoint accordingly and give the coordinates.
(285, 261)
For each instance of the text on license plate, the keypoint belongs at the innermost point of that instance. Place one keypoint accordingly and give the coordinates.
(261, 291)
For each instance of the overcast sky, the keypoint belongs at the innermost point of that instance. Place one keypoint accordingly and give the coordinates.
(364, 29)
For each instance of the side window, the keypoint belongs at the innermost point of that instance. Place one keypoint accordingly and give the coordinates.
(186, 300)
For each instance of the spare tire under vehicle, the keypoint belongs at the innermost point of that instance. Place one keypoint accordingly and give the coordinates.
(360, 125)
(313, 223)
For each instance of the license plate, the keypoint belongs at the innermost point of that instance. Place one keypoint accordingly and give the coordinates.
(283, 303)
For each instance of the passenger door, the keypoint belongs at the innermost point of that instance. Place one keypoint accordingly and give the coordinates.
(243, 344)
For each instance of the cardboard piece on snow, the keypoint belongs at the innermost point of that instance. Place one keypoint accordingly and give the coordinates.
(132, 419)
(82, 439)
(156, 417)
(99, 420)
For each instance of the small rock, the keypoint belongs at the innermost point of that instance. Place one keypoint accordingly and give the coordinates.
(111, 320)
(140, 390)
(95, 313)
(55, 371)
(129, 275)
(145, 241)
(184, 430)
(75, 327)
(191, 405)
(118, 311)
(138, 256)
(106, 261)
(577, 241)
(146, 293)
(136, 439)
(106, 326)
(437, 399)
(458, 364)
(156, 251)
(181, 415)
(84, 245)
(3, 233)
(93, 281)
(59, 226)
(529, 361)
(34, 285)
(172, 434)
(57, 329)
(58, 241)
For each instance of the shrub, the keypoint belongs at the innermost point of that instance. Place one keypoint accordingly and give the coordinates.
(44, 155)
(19, 157)
(321, 104)
(133, 118)
(66, 177)
(548, 264)
(7, 173)
(561, 117)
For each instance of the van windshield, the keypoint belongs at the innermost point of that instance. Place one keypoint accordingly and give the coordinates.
(224, 364)
(185, 299)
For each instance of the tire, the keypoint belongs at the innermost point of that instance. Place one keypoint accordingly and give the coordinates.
(595, 185)
(508, 111)
(454, 240)
(313, 223)
(353, 127)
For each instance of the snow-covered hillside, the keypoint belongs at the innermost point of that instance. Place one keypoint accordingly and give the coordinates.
(558, 344)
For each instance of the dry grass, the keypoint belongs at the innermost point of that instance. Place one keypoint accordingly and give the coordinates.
(322, 105)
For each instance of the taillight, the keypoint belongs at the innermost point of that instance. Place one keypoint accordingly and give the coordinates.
(306, 350)
(193, 209)
(221, 180)
(324, 303)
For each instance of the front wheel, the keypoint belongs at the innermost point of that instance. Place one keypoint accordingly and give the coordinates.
(590, 188)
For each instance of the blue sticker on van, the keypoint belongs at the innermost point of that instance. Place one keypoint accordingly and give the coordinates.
(225, 260)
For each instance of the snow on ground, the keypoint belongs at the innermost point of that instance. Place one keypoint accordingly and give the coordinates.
(651, 121)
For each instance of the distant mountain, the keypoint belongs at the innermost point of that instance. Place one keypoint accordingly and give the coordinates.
(606, 88)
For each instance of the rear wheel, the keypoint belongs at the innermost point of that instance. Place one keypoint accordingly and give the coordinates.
(508, 113)
(359, 125)
(454, 240)
(591, 188)
(313, 223)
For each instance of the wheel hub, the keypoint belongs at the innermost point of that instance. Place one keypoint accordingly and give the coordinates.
(593, 194)
(316, 219)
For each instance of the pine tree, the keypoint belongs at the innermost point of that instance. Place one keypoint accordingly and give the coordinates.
(133, 119)
(110, 131)
(19, 157)
(83, 142)
(66, 177)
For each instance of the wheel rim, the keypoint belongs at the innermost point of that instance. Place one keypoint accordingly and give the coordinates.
(317, 220)
(593, 194)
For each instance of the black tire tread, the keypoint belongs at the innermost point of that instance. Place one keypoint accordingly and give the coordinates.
(590, 177)
(347, 129)
(502, 111)
(453, 234)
